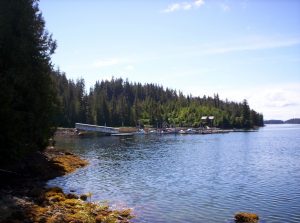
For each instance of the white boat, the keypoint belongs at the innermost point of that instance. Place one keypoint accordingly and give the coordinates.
(140, 132)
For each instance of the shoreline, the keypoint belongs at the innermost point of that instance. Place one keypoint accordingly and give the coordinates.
(73, 132)
(26, 198)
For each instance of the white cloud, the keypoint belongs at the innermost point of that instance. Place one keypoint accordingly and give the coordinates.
(281, 97)
(172, 8)
(115, 61)
(255, 44)
(282, 102)
(183, 6)
(199, 3)
(274, 101)
(186, 6)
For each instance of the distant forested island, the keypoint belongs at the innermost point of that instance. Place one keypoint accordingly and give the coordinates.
(118, 102)
(290, 121)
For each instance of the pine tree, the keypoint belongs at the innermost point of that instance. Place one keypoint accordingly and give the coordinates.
(26, 90)
(245, 114)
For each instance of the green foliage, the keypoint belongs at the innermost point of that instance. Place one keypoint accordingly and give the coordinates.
(26, 90)
(121, 103)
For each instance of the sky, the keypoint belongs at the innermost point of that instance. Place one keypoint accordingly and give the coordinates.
(240, 49)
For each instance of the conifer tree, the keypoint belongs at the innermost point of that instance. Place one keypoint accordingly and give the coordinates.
(26, 91)
(245, 114)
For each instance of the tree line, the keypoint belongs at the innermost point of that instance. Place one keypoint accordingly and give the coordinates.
(118, 102)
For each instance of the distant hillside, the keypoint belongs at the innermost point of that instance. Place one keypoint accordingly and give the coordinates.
(290, 121)
(274, 122)
(293, 121)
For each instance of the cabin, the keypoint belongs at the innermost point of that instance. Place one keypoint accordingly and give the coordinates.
(207, 120)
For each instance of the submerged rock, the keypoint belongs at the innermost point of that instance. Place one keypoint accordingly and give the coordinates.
(245, 217)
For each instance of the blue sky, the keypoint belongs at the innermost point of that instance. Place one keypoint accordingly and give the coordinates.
(239, 49)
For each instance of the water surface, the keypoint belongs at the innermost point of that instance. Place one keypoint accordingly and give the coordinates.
(193, 178)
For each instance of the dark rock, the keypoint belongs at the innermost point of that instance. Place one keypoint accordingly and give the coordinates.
(72, 196)
(83, 197)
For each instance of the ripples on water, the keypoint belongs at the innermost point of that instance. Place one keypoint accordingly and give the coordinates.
(193, 178)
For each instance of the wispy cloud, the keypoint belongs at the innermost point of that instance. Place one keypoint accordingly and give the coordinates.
(243, 44)
(256, 44)
(183, 6)
(275, 101)
(280, 97)
(199, 3)
(112, 62)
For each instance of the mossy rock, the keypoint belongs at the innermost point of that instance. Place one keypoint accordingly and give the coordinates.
(55, 190)
(245, 217)
(125, 213)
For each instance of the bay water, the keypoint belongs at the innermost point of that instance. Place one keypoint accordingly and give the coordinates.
(192, 178)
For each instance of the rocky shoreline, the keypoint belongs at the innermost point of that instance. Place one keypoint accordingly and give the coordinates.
(25, 197)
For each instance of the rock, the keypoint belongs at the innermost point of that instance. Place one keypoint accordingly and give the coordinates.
(83, 197)
(55, 199)
(55, 190)
(245, 217)
(125, 213)
(72, 196)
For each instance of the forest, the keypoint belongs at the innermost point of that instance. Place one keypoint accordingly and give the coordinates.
(118, 102)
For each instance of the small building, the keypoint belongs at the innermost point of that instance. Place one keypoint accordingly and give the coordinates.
(207, 120)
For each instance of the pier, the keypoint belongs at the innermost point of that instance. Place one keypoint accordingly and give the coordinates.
(96, 128)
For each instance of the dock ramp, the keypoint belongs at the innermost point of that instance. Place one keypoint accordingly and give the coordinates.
(96, 128)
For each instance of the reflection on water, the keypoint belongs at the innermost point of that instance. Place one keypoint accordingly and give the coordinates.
(193, 178)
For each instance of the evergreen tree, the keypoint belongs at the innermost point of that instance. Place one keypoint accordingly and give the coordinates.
(26, 90)
(245, 115)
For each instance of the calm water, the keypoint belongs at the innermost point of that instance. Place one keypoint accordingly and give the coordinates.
(193, 178)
